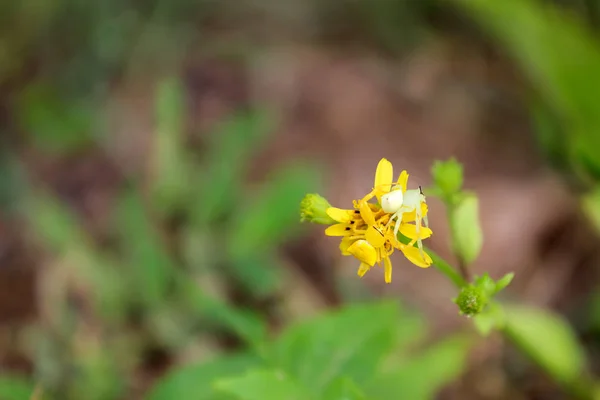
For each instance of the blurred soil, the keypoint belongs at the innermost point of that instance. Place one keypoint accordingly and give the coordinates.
(346, 110)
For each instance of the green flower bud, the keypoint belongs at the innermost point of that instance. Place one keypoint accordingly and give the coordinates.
(471, 300)
(313, 209)
(448, 176)
(467, 236)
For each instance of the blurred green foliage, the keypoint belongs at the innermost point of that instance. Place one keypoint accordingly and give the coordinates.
(561, 56)
(229, 238)
(552, 343)
(462, 209)
(141, 277)
(361, 351)
(108, 306)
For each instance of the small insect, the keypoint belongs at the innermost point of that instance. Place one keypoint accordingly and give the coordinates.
(397, 203)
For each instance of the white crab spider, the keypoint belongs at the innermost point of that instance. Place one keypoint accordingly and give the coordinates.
(397, 203)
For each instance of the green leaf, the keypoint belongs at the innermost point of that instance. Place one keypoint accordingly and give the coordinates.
(492, 318)
(547, 339)
(343, 388)
(425, 374)
(170, 107)
(221, 178)
(171, 169)
(60, 231)
(12, 182)
(194, 382)
(247, 324)
(486, 284)
(54, 124)
(590, 203)
(448, 177)
(545, 41)
(15, 388)
(267, 221)
(351, 342)
(272, 216)
(504, 281)
(550, 134)
(53, 222)
(467, 236)
(100, 377)
(257, 273)
(150, 267)
(263, 384)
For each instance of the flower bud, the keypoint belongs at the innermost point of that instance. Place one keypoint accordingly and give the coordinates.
(471, 300)
(448, 176)
(313, 208)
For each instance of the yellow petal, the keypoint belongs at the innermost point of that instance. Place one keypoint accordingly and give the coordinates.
(363, 251)
(387, 265)
(344, 244)
(338, 230)
(410, 231)
(414, 256)
(366, 213)
(383, 177)
(340, 215)
(374, 236)
(362, 270)
(403, 180)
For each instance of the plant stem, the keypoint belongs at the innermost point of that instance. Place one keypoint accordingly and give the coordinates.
(441, 265)
(464, 270)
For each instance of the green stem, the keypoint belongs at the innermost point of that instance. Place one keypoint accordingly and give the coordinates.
(441, 265)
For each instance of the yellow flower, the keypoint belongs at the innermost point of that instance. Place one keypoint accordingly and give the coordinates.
(369, 232)
(402, 204)
(368, 237)
(384, 175)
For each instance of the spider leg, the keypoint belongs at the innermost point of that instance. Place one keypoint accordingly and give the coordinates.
(418, 220)
(370, 195)
(377, 190)
(398, 221)
(390, 221)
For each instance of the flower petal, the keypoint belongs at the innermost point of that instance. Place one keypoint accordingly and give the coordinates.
(363, 251)
(340, 215)
(403, 180)
(375, 236)
(414, 256)
(410, 231)
(344, 244)
(383, 177)
(387, 265)
(366, 213)
(362, 270)
(338, 230)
